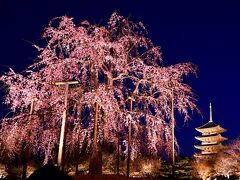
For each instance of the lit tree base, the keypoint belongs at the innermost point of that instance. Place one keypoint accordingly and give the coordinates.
(95, 165)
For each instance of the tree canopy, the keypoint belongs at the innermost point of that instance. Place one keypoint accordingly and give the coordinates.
(111, 64)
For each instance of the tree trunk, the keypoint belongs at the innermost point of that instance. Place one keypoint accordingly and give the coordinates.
(95, 127)
(76, 167)
(24, 169)
(95, 166)
(77, 151)
(118, 155)
(24, 161)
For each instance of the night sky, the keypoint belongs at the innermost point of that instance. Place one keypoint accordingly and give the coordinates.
(207, 34)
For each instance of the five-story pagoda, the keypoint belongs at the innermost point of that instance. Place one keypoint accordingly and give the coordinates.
(211, 139)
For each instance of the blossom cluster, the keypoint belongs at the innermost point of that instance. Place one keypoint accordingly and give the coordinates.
(111, 64)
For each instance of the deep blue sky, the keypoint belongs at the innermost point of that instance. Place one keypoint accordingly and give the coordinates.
(203, 32)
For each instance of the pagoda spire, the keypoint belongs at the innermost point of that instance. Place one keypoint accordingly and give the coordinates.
(210, 120)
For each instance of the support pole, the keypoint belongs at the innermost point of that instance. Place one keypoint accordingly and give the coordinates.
(173, 133)
(129, 139)
(60, 162)
(26, 147)
(31, 108)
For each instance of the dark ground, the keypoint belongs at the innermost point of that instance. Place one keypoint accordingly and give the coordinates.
(105, 177)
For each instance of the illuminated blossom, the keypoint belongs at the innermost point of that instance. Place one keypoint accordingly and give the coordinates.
(111, 63)
(228, 161)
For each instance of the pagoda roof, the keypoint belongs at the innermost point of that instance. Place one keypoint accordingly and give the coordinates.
(211, 137)
(204, 147)
(208, 135)
(210, 127)
(206, 155)
(213, 144)
(210, 124)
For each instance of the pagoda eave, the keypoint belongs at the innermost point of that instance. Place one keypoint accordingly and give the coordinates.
(211, 130)
(215, 138)
(210, 147)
